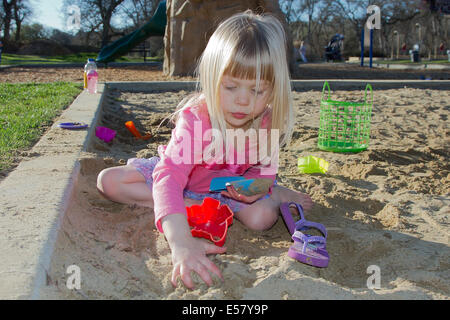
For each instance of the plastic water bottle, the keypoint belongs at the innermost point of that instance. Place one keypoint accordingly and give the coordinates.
(92, 79)
(90, 65)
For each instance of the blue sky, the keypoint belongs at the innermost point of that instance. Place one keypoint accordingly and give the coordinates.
(48, 13)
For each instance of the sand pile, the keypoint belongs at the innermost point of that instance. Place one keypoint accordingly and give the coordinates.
(387, 206)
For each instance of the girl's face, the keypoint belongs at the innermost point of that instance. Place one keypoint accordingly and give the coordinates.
(240, 102)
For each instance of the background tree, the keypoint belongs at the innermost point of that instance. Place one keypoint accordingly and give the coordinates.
(2, 14)
(7, 18)
(22, 11)
(310, 8)
(291, 10)
(353, 11)
(61, 37)
(34, 31)
(432, 27)
(316, 21)
(137, 12)
(134, 14)
(96, 16)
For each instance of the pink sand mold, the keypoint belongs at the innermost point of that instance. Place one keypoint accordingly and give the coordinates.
(105, 134)
(210, 220)
(307, 249)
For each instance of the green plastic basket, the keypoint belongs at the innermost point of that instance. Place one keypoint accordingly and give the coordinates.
(344, 126)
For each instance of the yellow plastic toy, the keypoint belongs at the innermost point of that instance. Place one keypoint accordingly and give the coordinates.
(312, 164)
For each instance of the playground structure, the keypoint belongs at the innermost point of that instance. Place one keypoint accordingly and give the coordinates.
(191, 23)
(155, 27)
(370, 47)
(186, 27)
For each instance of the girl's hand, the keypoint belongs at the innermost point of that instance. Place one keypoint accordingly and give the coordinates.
(232, 193)
(190, 255)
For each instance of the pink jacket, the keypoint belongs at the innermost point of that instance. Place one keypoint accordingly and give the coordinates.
(178, 170)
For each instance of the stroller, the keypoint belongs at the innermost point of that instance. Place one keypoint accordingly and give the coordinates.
(333, 49)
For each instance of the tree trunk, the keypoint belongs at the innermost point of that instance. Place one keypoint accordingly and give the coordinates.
(106, 20)
(7, 24)
(105, 33)
(18, 28)
(18, 22)
(308, 37)
(7, 8)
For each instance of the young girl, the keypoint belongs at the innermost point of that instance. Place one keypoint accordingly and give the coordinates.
(244, 85)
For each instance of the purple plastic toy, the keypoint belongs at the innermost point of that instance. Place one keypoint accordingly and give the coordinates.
(72, 125)
(105, 134)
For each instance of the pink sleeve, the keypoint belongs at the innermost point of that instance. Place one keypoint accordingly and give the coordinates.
(171, 174)
(255, 172)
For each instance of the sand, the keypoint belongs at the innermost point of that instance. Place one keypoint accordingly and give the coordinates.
(387, 206)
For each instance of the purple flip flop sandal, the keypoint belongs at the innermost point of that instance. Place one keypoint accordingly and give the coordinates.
(307, 249)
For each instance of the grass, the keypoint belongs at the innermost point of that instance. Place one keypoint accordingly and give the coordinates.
(26, 111)
(16, 59)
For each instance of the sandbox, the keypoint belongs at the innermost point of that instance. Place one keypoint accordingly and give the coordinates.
(386, 207)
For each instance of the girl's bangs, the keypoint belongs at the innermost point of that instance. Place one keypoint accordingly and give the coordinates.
(244, 65)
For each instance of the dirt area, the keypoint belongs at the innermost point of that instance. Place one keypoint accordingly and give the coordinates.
(48, 74)
(385, 207)
(152, 73)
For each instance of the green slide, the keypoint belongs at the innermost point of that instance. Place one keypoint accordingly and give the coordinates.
(155, 27)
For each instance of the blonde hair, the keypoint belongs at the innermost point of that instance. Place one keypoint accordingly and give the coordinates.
(248, 46)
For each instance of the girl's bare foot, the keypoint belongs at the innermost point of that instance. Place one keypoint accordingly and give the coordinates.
(288, 195)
